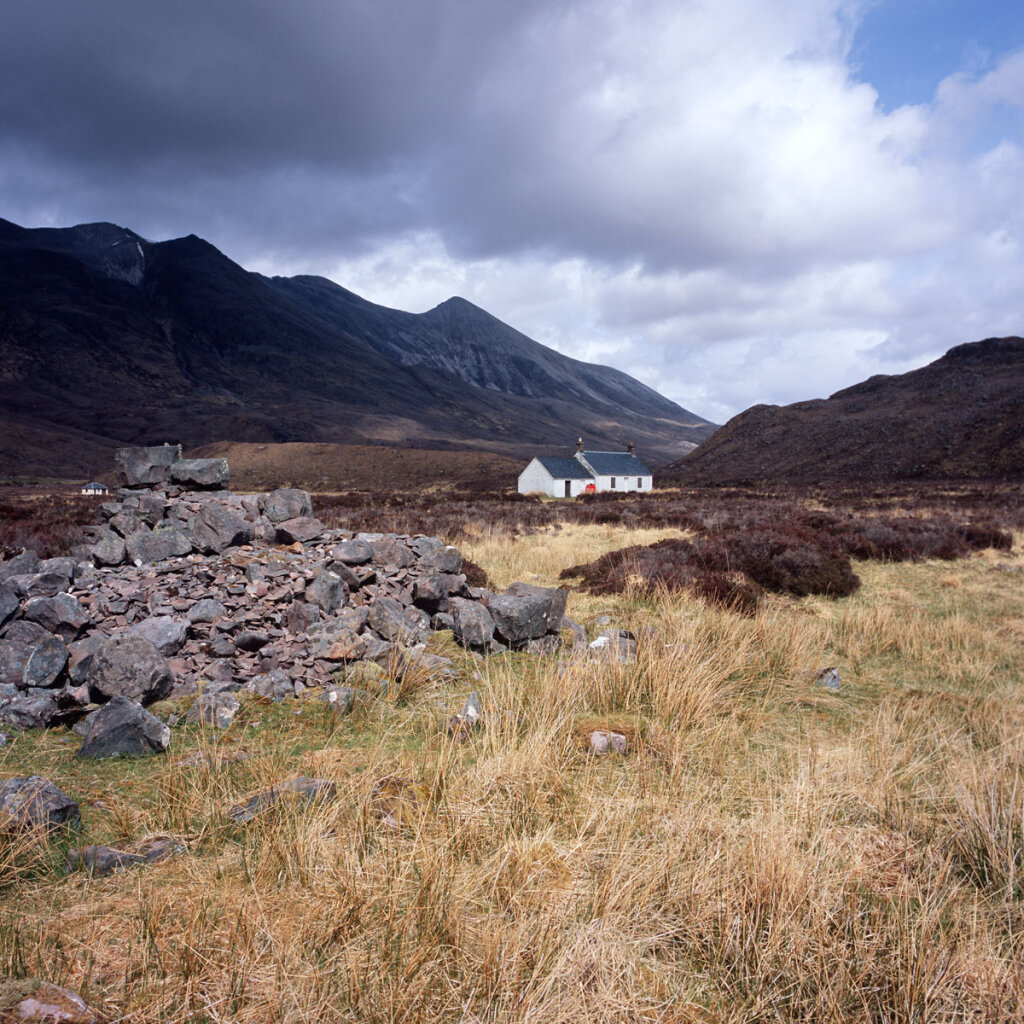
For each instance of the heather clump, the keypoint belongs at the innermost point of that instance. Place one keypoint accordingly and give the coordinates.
(728, 568)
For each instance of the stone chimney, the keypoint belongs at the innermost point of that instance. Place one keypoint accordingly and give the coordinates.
(579, 445)
(629, 448)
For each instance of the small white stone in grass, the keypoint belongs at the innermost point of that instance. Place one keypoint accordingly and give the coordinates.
(607, 742)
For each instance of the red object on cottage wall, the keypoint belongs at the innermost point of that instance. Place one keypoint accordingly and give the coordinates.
(590, 489)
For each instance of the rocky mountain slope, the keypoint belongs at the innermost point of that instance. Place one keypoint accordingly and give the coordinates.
(106, 339)
(960, 417)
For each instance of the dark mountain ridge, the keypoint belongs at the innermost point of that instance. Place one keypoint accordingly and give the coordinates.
(112, 339)
(960, 417)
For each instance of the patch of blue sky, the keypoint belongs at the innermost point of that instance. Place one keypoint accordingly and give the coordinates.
(904, 48)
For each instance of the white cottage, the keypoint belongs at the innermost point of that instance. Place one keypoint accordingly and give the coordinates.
(94, 488)
(585, 472)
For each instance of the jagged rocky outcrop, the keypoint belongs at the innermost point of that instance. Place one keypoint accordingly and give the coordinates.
(254, 593)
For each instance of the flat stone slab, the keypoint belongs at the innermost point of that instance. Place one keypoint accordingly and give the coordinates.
(32, 1001)
(105, 860)
(294, 791)
(202, 473)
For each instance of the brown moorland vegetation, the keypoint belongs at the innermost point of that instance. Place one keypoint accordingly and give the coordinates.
(765, 851)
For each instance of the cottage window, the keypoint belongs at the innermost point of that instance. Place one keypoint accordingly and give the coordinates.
(613, 483)
(639, 483)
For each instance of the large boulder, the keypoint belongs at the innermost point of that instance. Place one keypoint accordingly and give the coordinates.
(19, 565)
(37, 663)
(61, 614)
(108, 548)
(446, 560)
(216, 527)
(352, 552)
(130, 666)
(34, 802)
(389, 620)
(302, 529)
(527, 614)
(43, 584)
(123, 726)
(555, 596)
(31, 709)
(288, 503)
(145, 545)
(45, 664)
(391, 551)
(9, 604)
(474, 627)
(143, 467)
(327, 591)
(80, 655)
(164, 632)
(205, 474)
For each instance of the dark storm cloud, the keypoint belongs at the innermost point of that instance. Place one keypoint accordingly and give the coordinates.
(673, 186)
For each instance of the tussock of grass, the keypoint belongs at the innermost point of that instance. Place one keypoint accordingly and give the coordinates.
(765, 851)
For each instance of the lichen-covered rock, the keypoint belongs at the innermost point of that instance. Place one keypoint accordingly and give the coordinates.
(216, 528)
(474, 627)
(45, 664)
(142, 467)
(446, 560)
(123, 726)
(215, 709)
(146, 546)
(130, 666)
(388, 619)
(61, 614)
(287, 503)
(164, 632)
(327, 591)
(276, 684)
(520, 617)
(31, 709)
(35, 802)
(352, 552)
(26, 562)
(108, 548)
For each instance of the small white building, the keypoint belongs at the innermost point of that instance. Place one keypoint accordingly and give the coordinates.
(585, 472)
(95, 488)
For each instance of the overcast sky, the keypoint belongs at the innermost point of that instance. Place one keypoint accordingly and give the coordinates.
(735, 201)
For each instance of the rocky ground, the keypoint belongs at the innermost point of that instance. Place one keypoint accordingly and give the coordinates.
(185, 584)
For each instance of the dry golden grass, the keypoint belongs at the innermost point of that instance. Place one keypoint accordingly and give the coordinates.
(765, 851)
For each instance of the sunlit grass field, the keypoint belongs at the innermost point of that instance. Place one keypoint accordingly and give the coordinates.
(766, 850)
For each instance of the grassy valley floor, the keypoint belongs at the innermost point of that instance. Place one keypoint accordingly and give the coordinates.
(766, 850)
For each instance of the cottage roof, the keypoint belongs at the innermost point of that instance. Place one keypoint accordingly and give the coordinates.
(565, 469)
(615, 464)
(93, 486)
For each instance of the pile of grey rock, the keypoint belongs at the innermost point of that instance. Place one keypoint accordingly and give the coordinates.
(184, 582)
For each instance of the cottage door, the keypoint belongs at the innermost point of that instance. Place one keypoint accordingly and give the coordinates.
(568, 488)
